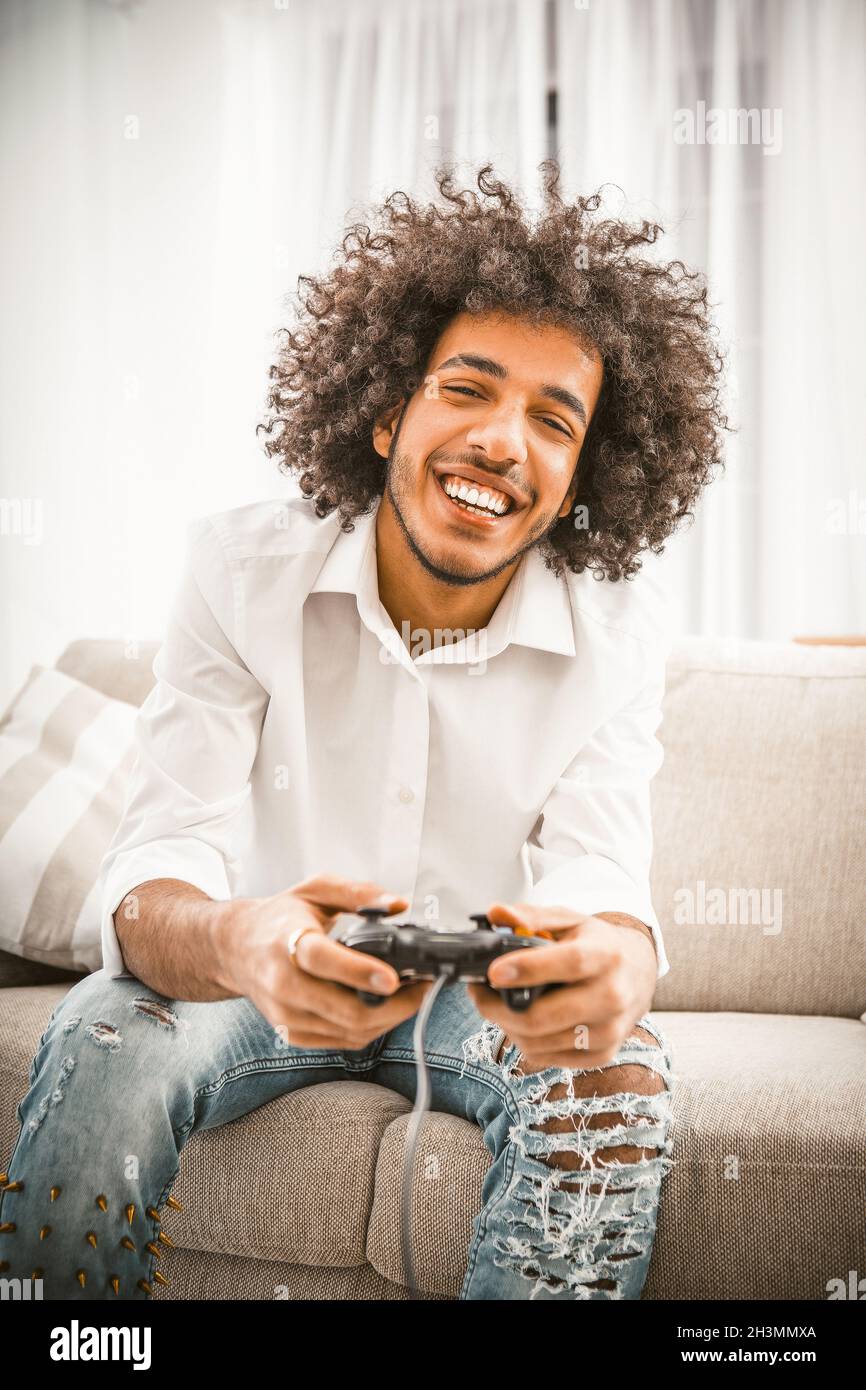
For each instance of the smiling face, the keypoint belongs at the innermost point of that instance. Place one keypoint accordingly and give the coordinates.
(482, 461)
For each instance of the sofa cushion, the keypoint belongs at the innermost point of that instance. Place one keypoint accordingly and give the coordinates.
(292, 1180)
(450, 1166)
(194, 1275)
(763, 787)
(766, 1197)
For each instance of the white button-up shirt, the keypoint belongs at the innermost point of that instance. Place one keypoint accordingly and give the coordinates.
(291, 732)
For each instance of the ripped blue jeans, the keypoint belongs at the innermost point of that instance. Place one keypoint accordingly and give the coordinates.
(122, 1077)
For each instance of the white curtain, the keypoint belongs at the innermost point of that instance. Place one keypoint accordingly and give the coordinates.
(170, 169)
(778, 547)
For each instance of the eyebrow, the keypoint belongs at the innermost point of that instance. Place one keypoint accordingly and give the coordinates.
(488, 367)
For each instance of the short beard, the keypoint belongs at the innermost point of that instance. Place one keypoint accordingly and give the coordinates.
(400, 467)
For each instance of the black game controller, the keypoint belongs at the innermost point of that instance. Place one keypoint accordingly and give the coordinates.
(425, 953)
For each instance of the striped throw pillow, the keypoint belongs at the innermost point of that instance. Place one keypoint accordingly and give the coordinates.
(66, 751)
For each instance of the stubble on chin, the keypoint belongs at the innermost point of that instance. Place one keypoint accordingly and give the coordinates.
(400, 468)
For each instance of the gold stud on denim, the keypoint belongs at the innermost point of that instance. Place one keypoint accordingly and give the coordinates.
(173, 1203)
(130, 1212)
(102, 1202)
(127, 1243)
(38, 1274)
(115, 1284)
(55, 1193)
(45, 1231)
(91, 1239)
(166, 1240)
(13, 1187)
(152, 1213)
(154, 1249)
(144, 1286)
(160, 1277)
(7, 1228)
(81, 1276)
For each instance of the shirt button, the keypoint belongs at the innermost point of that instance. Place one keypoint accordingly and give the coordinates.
(406, 795)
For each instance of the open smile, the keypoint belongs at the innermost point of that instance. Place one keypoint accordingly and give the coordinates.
(478, 503)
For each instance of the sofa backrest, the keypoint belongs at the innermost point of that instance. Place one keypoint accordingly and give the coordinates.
(759, 818)
(762, 798)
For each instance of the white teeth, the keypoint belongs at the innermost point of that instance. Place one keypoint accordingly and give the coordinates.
(485, 503)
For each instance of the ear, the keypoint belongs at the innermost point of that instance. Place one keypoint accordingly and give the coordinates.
(384, 427)
(568, 501)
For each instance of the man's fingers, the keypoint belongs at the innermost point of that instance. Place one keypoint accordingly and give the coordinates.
(333, 894)
(553, 1012)
(339, 1005)
(291, 1026)
(532, 918)
(320, 956)
(562, 962)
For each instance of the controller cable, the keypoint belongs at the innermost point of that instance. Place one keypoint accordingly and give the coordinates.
(422, 1103)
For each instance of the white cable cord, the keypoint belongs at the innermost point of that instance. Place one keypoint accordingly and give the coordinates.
(422, 1102)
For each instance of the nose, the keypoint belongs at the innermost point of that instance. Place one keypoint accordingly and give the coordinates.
(501, 433)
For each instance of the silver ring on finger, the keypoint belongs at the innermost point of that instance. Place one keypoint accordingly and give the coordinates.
(295, 935)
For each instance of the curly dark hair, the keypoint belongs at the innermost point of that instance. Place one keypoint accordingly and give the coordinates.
(364, 333)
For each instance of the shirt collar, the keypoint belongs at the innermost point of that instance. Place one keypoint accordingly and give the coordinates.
(534, 611)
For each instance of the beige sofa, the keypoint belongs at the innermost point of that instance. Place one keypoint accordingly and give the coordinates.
(763, 788)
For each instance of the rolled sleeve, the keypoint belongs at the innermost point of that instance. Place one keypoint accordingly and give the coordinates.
(196, 738)
(592, 847)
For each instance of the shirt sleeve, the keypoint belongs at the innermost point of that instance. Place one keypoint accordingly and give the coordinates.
(592, 846)
(196, 738)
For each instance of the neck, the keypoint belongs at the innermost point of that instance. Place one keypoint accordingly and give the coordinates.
(412, 596)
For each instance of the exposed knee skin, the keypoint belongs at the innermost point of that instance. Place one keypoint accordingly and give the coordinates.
(610, 1081)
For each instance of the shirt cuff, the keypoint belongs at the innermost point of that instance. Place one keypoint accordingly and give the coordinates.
(179, 857)
(595, 884)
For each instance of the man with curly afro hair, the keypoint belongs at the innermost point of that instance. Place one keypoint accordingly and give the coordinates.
(428, 685)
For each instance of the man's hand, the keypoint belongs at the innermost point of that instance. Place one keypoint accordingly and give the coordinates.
(606, 973)
(308, 997)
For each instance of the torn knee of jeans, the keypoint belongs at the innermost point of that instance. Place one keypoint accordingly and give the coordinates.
(608, 1129)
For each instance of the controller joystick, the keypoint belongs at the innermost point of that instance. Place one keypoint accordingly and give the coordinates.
(373, 914)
